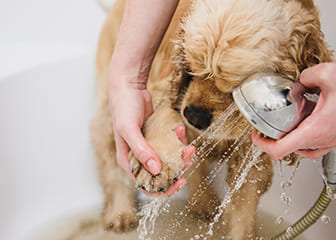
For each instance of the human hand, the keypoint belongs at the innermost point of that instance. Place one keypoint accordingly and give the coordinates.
(187, 155)
(315, 135)
(130, 106)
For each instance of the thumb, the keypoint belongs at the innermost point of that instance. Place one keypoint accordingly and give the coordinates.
(142, 150)
(319, 76)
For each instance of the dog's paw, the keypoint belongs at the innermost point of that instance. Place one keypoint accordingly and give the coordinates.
(169, 174)
(120, 219)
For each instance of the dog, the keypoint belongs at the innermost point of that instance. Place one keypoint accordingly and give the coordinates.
(209, 47)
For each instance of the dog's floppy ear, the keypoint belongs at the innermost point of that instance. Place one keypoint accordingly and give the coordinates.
(307, 46)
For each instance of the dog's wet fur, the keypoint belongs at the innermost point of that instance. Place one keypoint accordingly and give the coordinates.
(209, 47)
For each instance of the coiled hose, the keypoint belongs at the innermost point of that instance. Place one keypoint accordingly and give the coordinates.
(309, 218)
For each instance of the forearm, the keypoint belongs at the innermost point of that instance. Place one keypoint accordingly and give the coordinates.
(142, 29)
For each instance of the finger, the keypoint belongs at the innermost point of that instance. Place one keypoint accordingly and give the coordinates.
(122, 155)
(315, 153)
(318, 76)
(180, 183)
(181, 134)
(265, 144)
(174, 188)
(187, 156)
(158, 194)
(142, 150)
(299, 138)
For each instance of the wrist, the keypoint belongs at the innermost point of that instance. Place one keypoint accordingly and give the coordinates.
(126, 79)
(129, 70)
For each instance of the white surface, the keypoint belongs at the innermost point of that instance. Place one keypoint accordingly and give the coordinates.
(46, 160)
(38, 31)
(46, 100)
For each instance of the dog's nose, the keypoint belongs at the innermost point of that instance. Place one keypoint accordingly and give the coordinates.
(198, 117)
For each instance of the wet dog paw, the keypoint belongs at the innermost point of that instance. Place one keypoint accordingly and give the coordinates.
(169, 174)
(119, 220)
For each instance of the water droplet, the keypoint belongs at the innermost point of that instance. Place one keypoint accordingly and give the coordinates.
(279, 220)
(325, 219)
(285, 198)
(333, 196)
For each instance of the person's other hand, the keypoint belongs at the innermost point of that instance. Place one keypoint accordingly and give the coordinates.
(316, 135)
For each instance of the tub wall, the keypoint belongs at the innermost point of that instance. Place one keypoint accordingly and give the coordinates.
(37, 32)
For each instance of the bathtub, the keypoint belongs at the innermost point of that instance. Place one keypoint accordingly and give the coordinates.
(47, 167)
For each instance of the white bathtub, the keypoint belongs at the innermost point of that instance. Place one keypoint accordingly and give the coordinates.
(47, 169)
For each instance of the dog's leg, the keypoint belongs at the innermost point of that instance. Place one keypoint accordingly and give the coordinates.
(243, 213)
(203, 200)
(243, 207)
(159, 131)
(119, 211)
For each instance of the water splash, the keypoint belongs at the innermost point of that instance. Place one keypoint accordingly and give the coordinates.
(205, 144)
(325, 219)
(253, 154)
(279, 220)
(331, 193)
(212, 136)
(289, 230)
(149, 212)
(219, 165)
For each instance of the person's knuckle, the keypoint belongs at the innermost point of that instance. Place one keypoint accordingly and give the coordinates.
(325, 72)
(139, 152)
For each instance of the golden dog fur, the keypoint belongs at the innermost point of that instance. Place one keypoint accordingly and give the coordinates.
(209, 47)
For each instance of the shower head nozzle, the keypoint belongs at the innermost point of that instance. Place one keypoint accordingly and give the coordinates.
(272, 104)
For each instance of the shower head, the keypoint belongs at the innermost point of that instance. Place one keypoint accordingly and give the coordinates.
(275, 106)
(272, 104)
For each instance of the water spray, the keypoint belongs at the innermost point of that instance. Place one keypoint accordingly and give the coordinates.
(275, 105)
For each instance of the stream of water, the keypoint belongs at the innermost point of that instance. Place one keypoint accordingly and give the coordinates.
(205, 144)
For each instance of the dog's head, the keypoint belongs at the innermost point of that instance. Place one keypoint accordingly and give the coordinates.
(222, 42)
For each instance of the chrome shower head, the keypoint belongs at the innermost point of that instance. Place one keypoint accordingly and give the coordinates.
(272, 104)
(275, 106)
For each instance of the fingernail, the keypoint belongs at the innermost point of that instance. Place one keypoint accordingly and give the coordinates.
(153, 166)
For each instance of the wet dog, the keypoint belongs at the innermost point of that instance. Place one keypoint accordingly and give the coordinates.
(210, 46)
